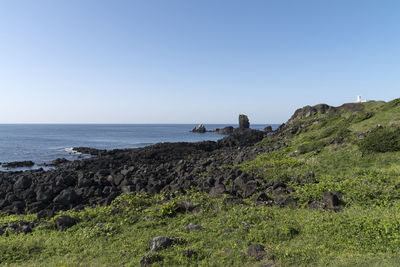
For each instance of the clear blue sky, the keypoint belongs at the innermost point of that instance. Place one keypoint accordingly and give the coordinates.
(192, 61)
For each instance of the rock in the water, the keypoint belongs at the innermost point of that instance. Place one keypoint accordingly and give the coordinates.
(18, 164)
(59, 161)
(243, 122)
(256, 250)
(199, 129)
(88, 151)
(192, 226)
(160, 242)
(226, 130)
(268, 129)
(63, 222)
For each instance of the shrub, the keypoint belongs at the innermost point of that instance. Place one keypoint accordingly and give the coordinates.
(311, 146)
(343, 132)
(392, 104)
(382, 140)
(328, 132)
(359, 117)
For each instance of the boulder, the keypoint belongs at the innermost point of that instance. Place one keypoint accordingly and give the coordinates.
(268, 129)
(260, 197)
(160, 242)
(147, 260)
(58, 161)
(22, 183)
(187, 206)
(218, 191)
(18, 164)
(25, 229)
(63, 222)
(256, 250)
(66, 197)
(332, 200)
(45, 214)
(89, 151)
(192, 226)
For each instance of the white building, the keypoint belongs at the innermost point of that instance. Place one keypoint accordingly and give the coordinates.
(359, 100)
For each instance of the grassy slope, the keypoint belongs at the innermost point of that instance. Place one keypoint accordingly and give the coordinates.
(366, 232)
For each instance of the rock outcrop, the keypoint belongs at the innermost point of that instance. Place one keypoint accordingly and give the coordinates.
(160, 242)
(227, 130)
(199, 129)
(243, 122)
(308, 111)
(18, 164)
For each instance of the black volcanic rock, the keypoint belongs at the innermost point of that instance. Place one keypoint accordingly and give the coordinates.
(160, 242)
(164, 167)
(199, 129)
(268, 129)
(22, 183)
(257, 251)
(242, 137)
(89, 151)
(18, 164)
(64, 222)
(66, 197)
(226, 130)
(243, 122)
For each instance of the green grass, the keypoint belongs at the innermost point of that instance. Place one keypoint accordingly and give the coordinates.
(386, 115)
(298, 237)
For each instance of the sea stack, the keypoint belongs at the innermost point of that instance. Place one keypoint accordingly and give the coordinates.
(200, 129)
(244, 122)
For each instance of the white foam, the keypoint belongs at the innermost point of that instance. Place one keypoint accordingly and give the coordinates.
(71, 151)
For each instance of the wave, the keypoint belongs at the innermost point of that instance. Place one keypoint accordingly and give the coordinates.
(71, 151)
(143, 144)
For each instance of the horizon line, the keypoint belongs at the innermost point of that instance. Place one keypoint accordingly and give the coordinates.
(105, 123)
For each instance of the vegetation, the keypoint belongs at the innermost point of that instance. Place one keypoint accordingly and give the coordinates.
(366, 232)
(291, 236)
(382, 140)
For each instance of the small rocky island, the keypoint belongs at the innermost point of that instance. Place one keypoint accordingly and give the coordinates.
(243, 124)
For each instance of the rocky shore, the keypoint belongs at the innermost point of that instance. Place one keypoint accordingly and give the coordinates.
(164, 167)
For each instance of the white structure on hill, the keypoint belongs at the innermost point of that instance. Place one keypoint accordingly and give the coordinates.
(359, 100)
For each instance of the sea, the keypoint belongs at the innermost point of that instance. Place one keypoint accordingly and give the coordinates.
(42, 143)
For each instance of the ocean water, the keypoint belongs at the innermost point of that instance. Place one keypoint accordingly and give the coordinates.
(43, 143)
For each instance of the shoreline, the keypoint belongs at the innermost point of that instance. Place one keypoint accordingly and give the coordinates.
(45, 156)
(162, 167)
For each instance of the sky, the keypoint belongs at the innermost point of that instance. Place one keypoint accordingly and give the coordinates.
(192, 61)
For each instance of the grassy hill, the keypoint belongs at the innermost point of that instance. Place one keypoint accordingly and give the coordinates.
(351, 152)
